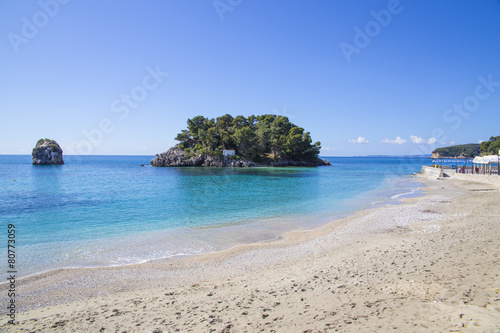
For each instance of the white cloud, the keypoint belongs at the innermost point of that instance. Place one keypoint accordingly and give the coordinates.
(328, 149)
(397, 141)
(416, 139)
(360, 139)
(480, 141)
(431, 141)
(452, 142)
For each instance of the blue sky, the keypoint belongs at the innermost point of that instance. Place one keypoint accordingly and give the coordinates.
(364, 77)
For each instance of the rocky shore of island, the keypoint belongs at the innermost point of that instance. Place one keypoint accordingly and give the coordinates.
(177, 157)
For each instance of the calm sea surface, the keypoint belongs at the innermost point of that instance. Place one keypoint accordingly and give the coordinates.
(108, 210)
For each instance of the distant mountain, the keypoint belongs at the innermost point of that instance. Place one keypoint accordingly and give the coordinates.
(469, 150)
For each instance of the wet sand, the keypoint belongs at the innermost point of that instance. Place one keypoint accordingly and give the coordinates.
(429, 264)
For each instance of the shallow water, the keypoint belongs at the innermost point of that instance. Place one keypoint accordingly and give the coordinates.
(108, 210)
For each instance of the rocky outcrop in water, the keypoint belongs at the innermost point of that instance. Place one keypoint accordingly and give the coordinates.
(47, 152)
(176, 157)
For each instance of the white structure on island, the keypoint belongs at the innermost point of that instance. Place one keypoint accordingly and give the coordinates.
(228, 152)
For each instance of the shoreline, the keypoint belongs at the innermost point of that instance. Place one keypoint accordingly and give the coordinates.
(298, 256)
(218, 238)
(337, 218)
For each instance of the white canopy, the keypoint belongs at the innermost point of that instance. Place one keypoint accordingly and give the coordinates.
(485, 159)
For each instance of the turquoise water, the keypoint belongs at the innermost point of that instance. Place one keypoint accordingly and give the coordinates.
(108, 210)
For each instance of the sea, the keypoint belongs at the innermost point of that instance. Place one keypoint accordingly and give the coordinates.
(96, 211)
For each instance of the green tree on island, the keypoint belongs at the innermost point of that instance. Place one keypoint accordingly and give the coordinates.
(491, 147)
(256, 138)
(469, 150)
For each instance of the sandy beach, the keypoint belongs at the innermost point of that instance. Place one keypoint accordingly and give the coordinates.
(428, 264)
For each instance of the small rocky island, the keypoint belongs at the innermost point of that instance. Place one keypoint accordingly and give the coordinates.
(267, 140)
(47, 152)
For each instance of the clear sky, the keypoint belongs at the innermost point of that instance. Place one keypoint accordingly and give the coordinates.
(364, 77)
